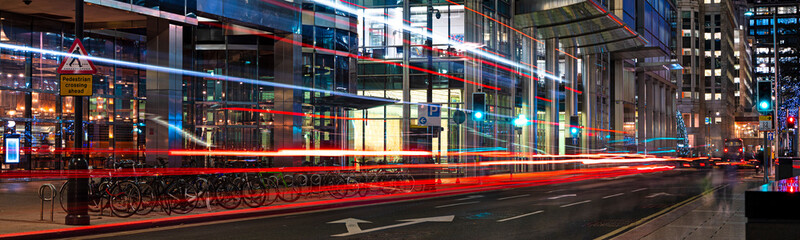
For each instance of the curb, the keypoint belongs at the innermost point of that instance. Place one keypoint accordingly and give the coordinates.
(635, 231)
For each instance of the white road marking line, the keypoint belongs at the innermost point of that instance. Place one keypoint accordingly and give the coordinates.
(613, 195)
(523, 215)
(517, 196)
(562, 196)
(640, 189)
(469, 197)
(575, 203)
(658, 194)
(456, 204)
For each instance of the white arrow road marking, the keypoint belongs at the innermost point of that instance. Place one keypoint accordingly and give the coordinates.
(469, 197)
(353, 228)
(658, 194)
(523, 215)
(351, 224)
(613, 195)
(456, 204)
(517, 196)
(576, 203)
(562, 196)
(640, 189)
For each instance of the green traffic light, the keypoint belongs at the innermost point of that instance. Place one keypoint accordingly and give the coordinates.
(763, 105)
(478, 115)
(521, 121)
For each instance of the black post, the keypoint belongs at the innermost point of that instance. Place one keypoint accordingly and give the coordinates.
(78, 189)
(429, 92)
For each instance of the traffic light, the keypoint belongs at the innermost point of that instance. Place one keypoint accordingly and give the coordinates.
(764, 103)
(574, 129)
(478, 106)
(521, 121)
(790, 121)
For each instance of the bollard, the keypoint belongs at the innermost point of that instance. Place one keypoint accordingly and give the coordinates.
(47, 197)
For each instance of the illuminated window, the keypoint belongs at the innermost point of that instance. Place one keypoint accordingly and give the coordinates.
(787, 10)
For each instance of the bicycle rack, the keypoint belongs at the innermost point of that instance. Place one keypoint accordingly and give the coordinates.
(47, 196)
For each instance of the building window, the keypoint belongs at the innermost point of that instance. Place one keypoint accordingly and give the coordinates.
(787, 10)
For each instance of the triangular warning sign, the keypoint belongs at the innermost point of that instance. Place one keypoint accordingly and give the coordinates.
(72, 65)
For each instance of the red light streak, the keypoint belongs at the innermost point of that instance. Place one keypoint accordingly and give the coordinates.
(572, 89)
(544, 99)
(292, 113)
(491, 183)
(320, 152)
(353, 4)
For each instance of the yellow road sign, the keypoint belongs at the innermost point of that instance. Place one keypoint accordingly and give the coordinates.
(76, 85)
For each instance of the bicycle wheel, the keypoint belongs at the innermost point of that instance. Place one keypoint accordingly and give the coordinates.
(315, 183)
(94, 206)
(366, 184)
(387, 183)
(290, 192)
(254, 193)
(183, 197)
(148, 199)
(61, 193)
(125, 199)
(227, 194)
(406, 182)
(336, 184)
(203, 187)
(98, 197)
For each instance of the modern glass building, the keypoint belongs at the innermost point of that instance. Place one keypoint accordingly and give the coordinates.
(771, 22)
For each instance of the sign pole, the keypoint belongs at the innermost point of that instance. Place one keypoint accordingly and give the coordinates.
(78, 188)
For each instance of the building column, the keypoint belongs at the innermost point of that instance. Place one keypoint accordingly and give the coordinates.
(664, 116)
(533, 102)
(551, 65)
(587, 79)
(670, 115)
(571, 98)
(164, 90)
(657, 123)
(617, 101)
(649, 112)
(288, 128)
(641, 125)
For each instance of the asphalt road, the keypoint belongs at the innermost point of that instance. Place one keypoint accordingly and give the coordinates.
(580, 210)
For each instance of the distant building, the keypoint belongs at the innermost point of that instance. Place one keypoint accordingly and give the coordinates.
(783, 15)
(714, 88)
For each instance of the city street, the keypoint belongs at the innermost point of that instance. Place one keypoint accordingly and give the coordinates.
(580, 210)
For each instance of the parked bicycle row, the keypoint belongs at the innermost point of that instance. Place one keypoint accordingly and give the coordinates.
(180, 194)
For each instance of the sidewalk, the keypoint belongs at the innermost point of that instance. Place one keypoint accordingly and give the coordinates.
(716, 215)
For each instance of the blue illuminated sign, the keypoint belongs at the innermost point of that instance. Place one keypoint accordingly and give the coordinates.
(12, 150)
